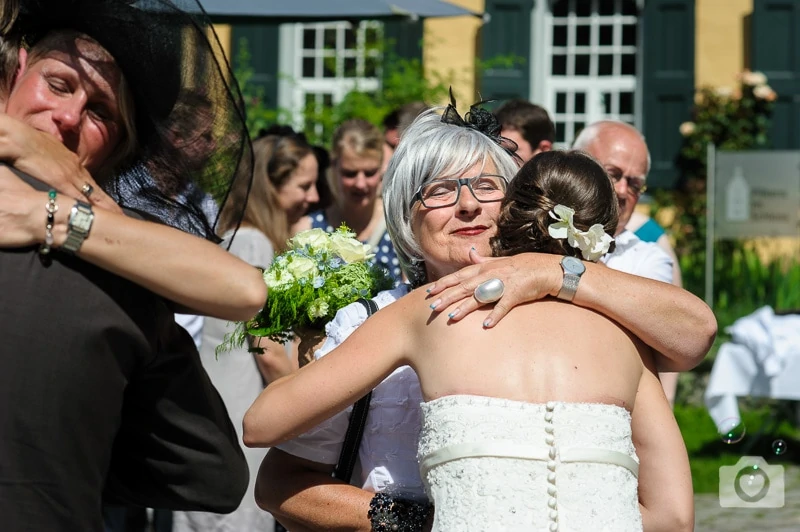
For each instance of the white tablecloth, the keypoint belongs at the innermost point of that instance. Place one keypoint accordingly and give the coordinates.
(761, 360)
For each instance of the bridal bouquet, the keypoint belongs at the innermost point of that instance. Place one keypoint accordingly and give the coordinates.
(319, 274)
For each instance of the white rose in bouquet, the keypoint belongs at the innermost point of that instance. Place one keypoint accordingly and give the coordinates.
(301, 267)
(349, 249)
(301, 296)
(315, 238)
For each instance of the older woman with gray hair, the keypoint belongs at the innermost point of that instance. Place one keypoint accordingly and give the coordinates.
(295, 478)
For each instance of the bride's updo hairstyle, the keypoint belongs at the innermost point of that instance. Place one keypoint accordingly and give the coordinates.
(570, 178)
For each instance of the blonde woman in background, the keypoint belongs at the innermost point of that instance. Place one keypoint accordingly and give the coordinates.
(355, 178)
(283, 186)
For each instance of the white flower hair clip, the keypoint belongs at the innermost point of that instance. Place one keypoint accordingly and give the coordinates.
(593, 243)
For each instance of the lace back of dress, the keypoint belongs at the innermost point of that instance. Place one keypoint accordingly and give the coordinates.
(491, 464)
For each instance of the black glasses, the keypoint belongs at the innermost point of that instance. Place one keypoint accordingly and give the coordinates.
(485, 188)
(635, 184)
(350, 174)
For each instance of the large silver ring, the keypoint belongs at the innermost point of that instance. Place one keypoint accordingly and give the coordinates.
(489, 291)
(87, 190)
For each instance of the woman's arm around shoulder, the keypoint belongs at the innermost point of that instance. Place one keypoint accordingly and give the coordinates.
(194, 273)
(674, 322)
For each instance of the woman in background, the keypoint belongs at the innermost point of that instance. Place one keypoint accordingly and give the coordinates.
(355, 179)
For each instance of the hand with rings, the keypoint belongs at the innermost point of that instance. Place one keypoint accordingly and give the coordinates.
(489, 291)
(87, 190)
(44, 157)
(506, 281)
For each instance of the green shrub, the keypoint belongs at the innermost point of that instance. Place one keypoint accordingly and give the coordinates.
(259, 116)
(736, 119)
(403, 81)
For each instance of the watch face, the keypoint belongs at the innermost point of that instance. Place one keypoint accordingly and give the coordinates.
(81, 220)
(573, 265)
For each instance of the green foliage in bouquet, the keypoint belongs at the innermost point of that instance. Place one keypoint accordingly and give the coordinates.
(319, 274)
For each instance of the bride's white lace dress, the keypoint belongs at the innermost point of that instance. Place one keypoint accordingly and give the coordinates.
(495, 464)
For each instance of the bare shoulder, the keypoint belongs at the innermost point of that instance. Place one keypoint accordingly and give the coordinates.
(411, 306)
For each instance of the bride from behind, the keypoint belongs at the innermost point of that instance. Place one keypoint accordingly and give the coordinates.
(529, 425)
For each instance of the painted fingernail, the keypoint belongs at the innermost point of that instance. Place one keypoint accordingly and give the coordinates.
(454, 313)
(435, 304)
(487, 322)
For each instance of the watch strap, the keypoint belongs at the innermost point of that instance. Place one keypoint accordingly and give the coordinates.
(569, 287)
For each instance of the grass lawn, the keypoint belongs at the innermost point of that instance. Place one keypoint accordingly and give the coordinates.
(707, 451)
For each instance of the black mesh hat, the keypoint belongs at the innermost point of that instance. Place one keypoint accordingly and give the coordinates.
(189, 112)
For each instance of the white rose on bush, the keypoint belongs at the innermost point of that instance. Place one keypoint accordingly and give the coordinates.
(687, 128)
(315, 238)
(765, 92)
(753, 78)
(724, 92)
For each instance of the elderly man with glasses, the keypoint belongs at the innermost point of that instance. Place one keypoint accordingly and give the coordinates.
(623, 152)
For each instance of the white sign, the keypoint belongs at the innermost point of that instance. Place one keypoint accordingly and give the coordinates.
(757, 193)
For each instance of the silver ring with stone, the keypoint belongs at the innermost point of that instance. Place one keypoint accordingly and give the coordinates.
(87, 190)
(489, 291)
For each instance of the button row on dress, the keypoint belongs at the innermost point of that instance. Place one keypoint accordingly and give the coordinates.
(549, 438)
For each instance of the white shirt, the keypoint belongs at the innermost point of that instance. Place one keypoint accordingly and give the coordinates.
(193, 325)
(387, 457)
(645, 259)
(191, 322)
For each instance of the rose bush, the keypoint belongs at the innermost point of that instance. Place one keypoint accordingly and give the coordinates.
(733, 119)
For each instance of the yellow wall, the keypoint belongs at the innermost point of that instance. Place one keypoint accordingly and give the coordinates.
(449, 51)
(224, 33)
(720, 40)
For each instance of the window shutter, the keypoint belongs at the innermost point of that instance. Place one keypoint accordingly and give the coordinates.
(507, 35)
(668, 47)
(404, 37)
(774, 42)
(263, 42)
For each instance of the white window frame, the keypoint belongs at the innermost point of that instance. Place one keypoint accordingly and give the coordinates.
(293, 88)
(544, 86)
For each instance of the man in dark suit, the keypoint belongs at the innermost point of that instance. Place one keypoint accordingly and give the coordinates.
(99, 388)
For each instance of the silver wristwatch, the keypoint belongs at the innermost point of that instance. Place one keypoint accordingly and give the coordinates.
(78, 227)
(573, 269)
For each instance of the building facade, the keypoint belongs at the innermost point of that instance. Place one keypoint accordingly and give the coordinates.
(634, 60)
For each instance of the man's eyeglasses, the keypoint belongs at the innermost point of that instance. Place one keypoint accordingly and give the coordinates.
(350, 174)
(635, 184)
(485, 188)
